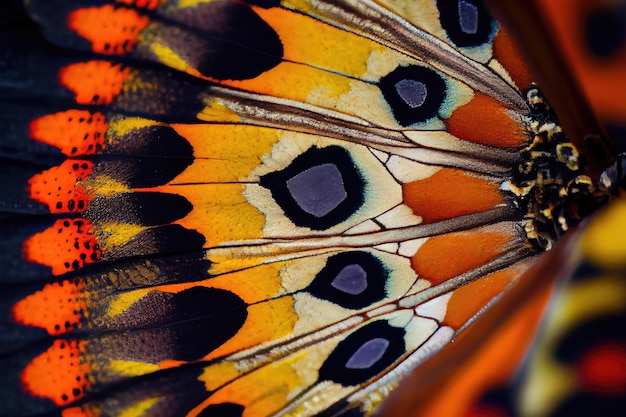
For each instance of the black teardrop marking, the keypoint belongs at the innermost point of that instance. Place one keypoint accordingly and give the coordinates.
(222, 410)
(319, 189)
(170, 238)
(142, 172)
(467, 22)
(237, 43)
(136, 273)
(159, 141)
(185, 326)
(364, 354)
(414, 93)
(209, 317)
(352, 280)
(145, 208)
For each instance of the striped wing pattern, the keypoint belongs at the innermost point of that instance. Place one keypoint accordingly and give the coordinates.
(228, 208)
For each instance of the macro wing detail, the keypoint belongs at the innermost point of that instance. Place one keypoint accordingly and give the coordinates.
(243, 208)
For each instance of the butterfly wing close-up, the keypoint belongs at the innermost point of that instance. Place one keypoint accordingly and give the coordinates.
(263, 208)
(577, 366)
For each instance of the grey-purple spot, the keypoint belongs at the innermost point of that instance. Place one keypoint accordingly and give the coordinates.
(352, 279)
(368, 354)
(412, 92)
(318, 190)
(468, 17)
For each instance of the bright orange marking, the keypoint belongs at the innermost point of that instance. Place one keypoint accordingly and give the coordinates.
(94, 82)
(57, 307)
(484, 120)
(450, 193)
(468, 300)
(59, 373)
(508, 55)
(65, 246)
(75, 412)
(602, 369)
(74, 132)
(59, 187)
(142, 4)
(443, 257)
(111, 30)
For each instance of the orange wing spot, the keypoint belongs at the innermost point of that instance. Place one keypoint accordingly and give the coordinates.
(508, 55)
(56, 307)
(450, 193)
(59, 187)
(58, 374)
(111, 30)
(141, 4)
(75, 412)
(468, 300)
(443, 257)
(74, 132)
(65, 246)
(94, 82)
(483, 120)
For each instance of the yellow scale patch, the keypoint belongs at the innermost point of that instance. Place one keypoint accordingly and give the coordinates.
(602, 242)
(267, 389)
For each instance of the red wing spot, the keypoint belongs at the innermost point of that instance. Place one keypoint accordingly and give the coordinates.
(65, 246)
(111, 30)
(74, 132)
(57, 307)
(60, 373)
(94, 82)
(141, 4)
(486, 410)
(59, 187)
(602, 369)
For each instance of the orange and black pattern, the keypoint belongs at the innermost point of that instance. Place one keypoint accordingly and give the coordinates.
(262, 208)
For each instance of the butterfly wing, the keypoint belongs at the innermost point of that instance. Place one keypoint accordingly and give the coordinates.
(228, 208)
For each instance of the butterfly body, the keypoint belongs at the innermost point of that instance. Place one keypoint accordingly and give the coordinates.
(240, 208)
